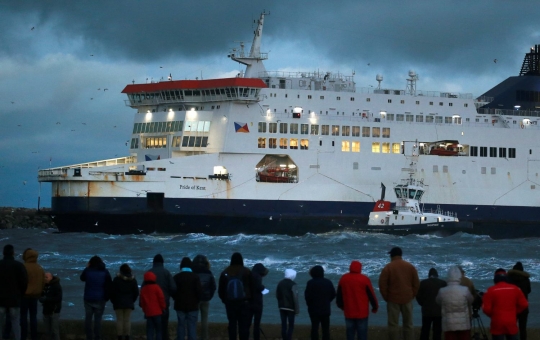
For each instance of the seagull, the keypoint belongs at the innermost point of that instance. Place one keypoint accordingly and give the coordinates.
(32, 28)
(24, 182)
(495, 61)
(96, 223)
(140, 230)
(91, 55)
(161, 67)
(12, 102)
(368, 64)
(476, 208)
(105, 90)
(57, 123)
(99, 89)
(83, 123)
(169, 161)
(91, 98)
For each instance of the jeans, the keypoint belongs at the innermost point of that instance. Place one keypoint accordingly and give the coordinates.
(153, 325)
(522, 321)
(356, 326)
(165, 324)
(204, 306)
(238, 316)
(287, 316)
(406, 311)
(123, 321)
(94, 310)
(14, 315)
(29, 306)
(427, 321)
(255, 317)
(324, 321)
(52, 325)
(186, 321)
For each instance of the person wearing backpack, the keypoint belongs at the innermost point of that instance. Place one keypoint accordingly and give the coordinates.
(287, 296)
(235, 292)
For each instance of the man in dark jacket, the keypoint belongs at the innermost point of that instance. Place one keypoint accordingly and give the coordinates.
(97, 287)
(256, 306)
(52, 305)
(319, 294)
(235, 292)
(201, 267)
(431, 310)
(517, 276)
(125, 292)
(186, 300)
(165, 281)
(13, 284)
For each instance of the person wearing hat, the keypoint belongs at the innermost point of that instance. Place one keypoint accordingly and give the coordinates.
(517, 276)
(125, 292)
(431, 311)
(399, 284)
(256, 304)
(165, 281)
(186, 300)
(201, 267)
(319, 294)
(502, 302)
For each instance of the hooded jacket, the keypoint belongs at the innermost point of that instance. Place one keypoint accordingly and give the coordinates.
(429, 288)
(164, 279)
(36, 274)
(399, 281)
(98, 282)
(287, 292)
(502, 303)
(201, 267)
(236, 268)
(125, 291)
(455, 301)
(257, 273)
(52, 297)
(151, 300)
(521, 279)
(188, 288)
(319, 292)
(355, 293)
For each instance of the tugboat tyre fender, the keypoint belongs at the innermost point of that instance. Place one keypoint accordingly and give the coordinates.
(382, 221)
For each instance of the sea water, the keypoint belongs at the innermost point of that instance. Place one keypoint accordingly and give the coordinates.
(66, 255)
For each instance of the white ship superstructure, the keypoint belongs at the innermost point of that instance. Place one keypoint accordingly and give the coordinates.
(283, 152)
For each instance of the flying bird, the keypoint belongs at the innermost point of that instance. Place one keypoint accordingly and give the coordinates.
(91, 55)
(91, 98)
(99, 89)
(105, 90)
(12, 102)
(495, 61)
(32, 28)
(161, 67)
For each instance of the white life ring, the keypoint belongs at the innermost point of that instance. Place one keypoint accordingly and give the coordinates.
(382, 221)
(412, 209)
(522, 126)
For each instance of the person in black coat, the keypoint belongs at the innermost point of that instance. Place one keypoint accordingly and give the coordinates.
(186, 300)
(517, 276)
(431, 310)
(201, 267)
(125, 292)
(52, 305)
(319, 294)
(256, 304)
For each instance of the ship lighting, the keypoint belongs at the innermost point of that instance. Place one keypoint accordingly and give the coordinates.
(148, 116)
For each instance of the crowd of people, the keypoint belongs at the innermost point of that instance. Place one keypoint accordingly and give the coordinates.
(448, 307)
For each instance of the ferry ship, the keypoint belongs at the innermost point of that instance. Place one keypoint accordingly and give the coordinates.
(270, 152)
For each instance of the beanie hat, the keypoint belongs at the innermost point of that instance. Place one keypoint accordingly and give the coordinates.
(158, 258)
(433, 273)
(290, 274)
(125, 270)
(186, 263)
(8, 250)
(518, 266)
(396, 251)
(500, 275)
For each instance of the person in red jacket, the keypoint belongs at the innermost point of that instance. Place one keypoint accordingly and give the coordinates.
(354, 294)
(502, 302)
(152, 302)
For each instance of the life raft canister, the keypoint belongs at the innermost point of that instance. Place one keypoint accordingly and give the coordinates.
(382, 221)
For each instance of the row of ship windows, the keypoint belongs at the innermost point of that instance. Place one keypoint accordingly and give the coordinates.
(230, 92)
(177, 141)
(325, 130)
(173, 126)
(493, 152)
(346, 146)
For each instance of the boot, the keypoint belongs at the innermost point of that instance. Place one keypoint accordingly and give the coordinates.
(126, 337)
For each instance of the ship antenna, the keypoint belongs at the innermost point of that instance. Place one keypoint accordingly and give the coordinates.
(411, 83)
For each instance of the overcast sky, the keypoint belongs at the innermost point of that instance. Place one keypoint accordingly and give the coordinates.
(57, 57)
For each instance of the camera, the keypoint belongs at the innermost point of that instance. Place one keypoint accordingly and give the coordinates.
(477, 302)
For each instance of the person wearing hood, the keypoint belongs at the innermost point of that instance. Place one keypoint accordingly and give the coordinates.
(234, 290)
(29, 303)
(13, 285)
(398, 284)
(165, 281)
(319, 293)
(152, 303)
(287, 297)
(354, 295)
(256, 304)
(201, 267)
(431, 311)
(97, 288)
(517, 276)
(125, 292)
(52, 305)
(186, 300)
(502, 302)
(455, 301)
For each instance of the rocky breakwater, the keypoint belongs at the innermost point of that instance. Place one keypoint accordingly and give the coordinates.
(25, 218)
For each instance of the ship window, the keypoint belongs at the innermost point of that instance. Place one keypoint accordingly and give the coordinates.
(483, 151)
(204, 142)
(365, 131)
(418, 195)
(309, 96)
(352, 99)
(198, 141)
(134, 143)
(320, 142)
(376, 132)
(402, 101)
(272, 143)
(417, 102)
(376, 147)
(466, 105)
(474, 151)
(345, 130)
(333, 143)
(412, 193)
(448, 120)
(385, 147)
(325, 130)
(450, 104)
(345, 146)
(283, 143)
(386, 132)
(176, 141)
(338, 98)
(430, 103)
(304, 129)
(294, 128)
(435, 168)
(502, 152)
(335, 130)
(322, 97)
(438, 119)
(356, 131)
(419, 118)
(191, 142)
(493, 171)
(511, 152)
(185, 141)
(396, 148)
(355, 165)
(445, 169)
(355, 147)
(409, 118)
(399, 117)
(368, 99)
(294, 143)
(282, 127)
(440, 103)
(483, 170)
(262, 127)
(261, 143)
(315, 129)
(492, 152)
(304, 144)
(272, 127)
(429, 119)
(390, 116)
(398, 192)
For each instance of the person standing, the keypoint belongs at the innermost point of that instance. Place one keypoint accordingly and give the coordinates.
(354, 294)
(125, 292)
(97, 288)
(234, 290)
(201, 267)
(287, 296)
(431, 310)
(13, 284)
(52, 305)
(398, 284)
(258, 272)
(152, 303)
(502, 302)
(186, 300)
(517, 276)
(319, 293)
(455, 301)
(168, 287)
(29, 303)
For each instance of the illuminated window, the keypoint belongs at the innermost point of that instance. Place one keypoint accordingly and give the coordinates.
(304, 144)
(335, 130)
(294, 143)
(261, 143)
(396, 148)
(272, 143)
(409, 118)
(345, 146)
(355, 147)
(283, 143)
(376, 147)
(385, 147)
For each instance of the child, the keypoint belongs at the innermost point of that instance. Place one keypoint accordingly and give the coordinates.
(287, 296)
(152, 302)
(52, 304)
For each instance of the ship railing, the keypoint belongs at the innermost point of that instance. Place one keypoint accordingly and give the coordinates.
(439, 211)
(62, 171)
(317, 76)
(190, 99)
(508, 112)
